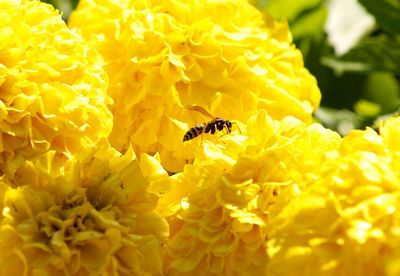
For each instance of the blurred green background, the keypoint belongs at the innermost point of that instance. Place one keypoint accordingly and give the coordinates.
(352, 47)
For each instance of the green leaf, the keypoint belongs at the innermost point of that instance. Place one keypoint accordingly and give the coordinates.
(386, 12)
(287, 9)
(310, 24)
(307, 30)
(382, 89)
(341, 121)
(380, 53)
(366, 108)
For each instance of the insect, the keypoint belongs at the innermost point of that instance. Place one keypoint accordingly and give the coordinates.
(217, 123)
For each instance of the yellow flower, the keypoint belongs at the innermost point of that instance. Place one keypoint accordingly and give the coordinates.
(53, 92)
(93, 216)
(219, 209)
(346, 221)
(163, 55)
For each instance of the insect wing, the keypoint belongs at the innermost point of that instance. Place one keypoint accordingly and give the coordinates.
(201, 110)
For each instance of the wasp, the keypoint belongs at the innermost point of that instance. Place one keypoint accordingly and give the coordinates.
(217, 123)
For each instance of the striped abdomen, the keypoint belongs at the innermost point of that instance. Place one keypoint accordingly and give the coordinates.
(194, 132)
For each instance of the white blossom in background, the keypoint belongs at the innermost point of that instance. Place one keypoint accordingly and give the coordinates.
(347, 23)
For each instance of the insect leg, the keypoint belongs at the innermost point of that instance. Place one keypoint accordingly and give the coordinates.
(233, 123)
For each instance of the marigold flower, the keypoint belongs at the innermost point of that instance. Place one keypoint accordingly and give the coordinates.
(93, 216)
(163, 55)
(53, 90)
(345, 222)
(219, 208)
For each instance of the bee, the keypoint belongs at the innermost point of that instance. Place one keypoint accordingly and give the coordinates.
(217, 123)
